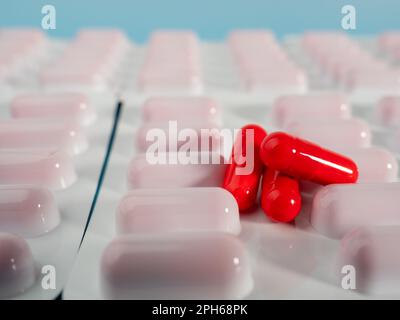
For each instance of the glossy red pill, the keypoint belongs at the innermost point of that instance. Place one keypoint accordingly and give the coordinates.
(243, 173)
(280, 196)
(305, 160)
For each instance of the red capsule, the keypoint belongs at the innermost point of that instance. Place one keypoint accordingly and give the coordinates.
(280, 196)
(242, 176)
(305, 160)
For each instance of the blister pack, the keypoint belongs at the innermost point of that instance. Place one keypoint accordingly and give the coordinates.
(55, 127)
(164, 227)
(120, 177)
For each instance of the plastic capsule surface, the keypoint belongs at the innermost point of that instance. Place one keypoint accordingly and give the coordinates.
(372, 252)
(177, 170)
(181, 108)
(388, 111)
(39, 134)
(192, 266)
(333, 133)
(305, 160)
(27, 211)
(337, 209)
(17, 267)
(244, 171)
(74, 106)
(316, 106)
(53, 170)
(280, 197)
(178, 210)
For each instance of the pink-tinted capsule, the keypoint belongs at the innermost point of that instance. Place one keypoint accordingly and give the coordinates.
(39, 134)
(241, 37)
(74, 106)
(158, 109)
(30, 35)
(177, 170)
(172, 63)
(17, 267)
(337, 64)
(86, 59)
(169, 68)
(348, 72)
(316, 106)
(173, 37)
(53, 170)
(389, 40)
(333, 133)
(393, 139)
(374, 164)
(155, 211)
(27, 211)
(370, 255)
(173, 136)
(388, 111)
(77, 57)
(337, 209)
(65, 78)
(313, 39)
(289, 81)
(172, 81)
(101, 36)
(396, 53)
(190, 266)
(250, 65)
(382, 80)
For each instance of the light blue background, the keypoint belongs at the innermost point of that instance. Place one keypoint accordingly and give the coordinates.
(212, 19)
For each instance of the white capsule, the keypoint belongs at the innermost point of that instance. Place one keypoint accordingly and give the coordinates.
(53, 170)
(27, 211)
(333, 133)
(373, 254)
(178, 210)
(181, 108)
(191, 266)
(339, 208)
(42, 134)
(374, 164)
(74, 106)
(315, 106)
(17, 267)
(172, 173)
(173, 136)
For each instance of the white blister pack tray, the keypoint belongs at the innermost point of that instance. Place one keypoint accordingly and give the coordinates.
(59, 247)
(287, 261)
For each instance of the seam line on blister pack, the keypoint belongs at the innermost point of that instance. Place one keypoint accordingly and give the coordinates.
(103, 170)
(110, 144)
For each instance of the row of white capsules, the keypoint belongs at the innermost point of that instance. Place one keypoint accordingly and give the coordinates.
(189, 226)
(89, 62)
(38, 146)
(19, 49)
(172, 64)
(351, 67)
(387, 112)
(380, 244)
(263, 64)
(176, 228)
(337, 210)
(28, 207)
